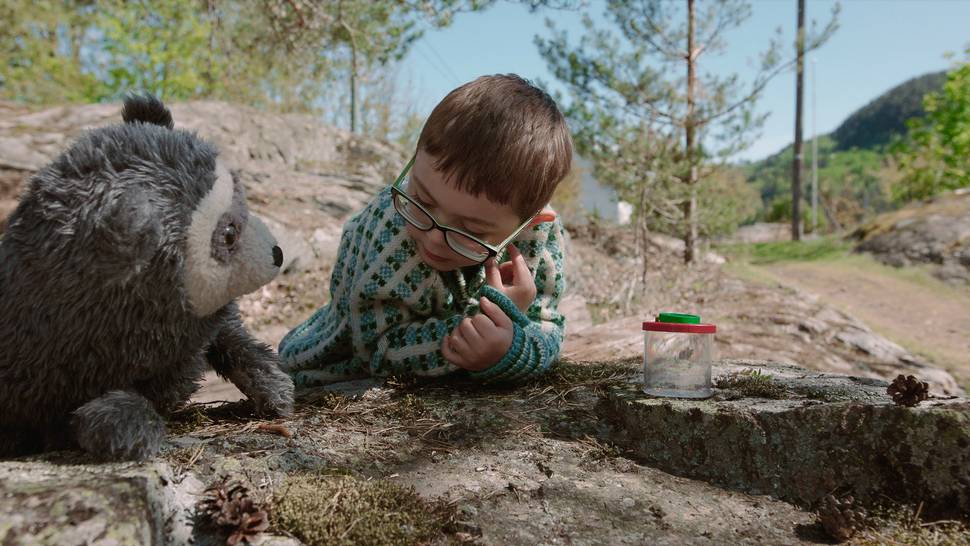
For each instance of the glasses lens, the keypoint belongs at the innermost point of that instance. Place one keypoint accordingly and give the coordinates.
(414, 215)
(466, 246)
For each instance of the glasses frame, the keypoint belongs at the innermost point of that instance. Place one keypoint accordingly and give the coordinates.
(493, 250)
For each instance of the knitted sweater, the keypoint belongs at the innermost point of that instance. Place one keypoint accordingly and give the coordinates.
(389, 311)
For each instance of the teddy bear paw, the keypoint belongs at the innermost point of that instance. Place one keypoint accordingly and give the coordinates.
(119, 425)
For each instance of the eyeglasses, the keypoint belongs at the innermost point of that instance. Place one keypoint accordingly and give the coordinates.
(466, 245)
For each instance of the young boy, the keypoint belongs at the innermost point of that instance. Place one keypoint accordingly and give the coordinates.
(417, 287)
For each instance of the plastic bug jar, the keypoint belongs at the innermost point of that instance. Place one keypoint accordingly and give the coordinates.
(677, 355)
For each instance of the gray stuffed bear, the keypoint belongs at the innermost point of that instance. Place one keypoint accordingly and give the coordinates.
(118, 272)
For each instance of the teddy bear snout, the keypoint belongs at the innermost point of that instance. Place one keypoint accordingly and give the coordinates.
(277, 256)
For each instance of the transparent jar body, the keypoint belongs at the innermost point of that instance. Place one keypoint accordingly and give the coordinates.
(677, 364)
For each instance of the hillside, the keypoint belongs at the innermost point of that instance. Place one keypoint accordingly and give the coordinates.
(854, 176)
(876, 123)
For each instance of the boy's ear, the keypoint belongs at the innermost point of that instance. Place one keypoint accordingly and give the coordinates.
(545, 215)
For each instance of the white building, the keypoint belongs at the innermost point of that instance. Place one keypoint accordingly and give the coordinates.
(597, 199)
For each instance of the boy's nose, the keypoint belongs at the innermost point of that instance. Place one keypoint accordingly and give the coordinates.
(437, 237)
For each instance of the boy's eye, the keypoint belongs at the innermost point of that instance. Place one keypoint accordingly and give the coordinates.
(476, 234)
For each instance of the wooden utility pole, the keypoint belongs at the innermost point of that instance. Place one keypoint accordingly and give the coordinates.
(796, 179)
(814, 153)
(690, 206)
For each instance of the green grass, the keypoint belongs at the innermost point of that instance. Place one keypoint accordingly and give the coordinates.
(919, 274)
(788, 251)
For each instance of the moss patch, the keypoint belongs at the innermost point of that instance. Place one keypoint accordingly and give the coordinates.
(570, 373)
(343, 510)
(752, 384)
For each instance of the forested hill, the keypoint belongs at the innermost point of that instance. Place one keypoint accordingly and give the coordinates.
(854, 176)
(876, 123)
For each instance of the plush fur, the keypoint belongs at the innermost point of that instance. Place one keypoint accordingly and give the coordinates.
(118, 272)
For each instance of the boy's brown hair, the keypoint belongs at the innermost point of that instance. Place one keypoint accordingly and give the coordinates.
(501, 136)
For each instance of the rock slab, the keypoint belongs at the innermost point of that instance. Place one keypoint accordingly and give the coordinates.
(101, 505)
(828, 434)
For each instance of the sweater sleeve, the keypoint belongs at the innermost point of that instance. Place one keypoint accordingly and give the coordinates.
(538, 332)
(318, 351)
(415, 347)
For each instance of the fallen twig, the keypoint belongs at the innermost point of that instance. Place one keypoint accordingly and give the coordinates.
(275, 429)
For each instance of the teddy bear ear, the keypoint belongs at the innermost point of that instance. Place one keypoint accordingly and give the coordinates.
(146, 109)
(127, 234)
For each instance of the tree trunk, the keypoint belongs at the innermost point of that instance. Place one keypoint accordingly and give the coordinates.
(796, 179)
(208, 76)
(353, 85)
(641, 233)
(690, 205)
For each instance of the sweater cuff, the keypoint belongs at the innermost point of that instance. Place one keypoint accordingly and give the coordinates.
(505, 304)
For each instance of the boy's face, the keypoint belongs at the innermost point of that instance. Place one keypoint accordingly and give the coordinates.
(476, 215)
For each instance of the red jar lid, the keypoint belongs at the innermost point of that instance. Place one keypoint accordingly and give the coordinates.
(679, 323)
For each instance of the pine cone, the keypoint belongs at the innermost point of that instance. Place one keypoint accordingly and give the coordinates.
(250, 525)
(230, 507)
(215, 499)
(908, 391)
(839, 518)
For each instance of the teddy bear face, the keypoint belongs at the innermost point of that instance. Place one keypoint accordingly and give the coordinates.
(228, 252)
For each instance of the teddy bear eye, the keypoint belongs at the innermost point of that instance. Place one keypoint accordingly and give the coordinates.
(229, 235)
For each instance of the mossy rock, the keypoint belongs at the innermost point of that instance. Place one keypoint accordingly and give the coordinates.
(335, 510)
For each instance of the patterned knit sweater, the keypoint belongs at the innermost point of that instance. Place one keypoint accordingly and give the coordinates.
(389, 311)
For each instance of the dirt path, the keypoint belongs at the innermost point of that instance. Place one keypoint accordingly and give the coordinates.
(923, 315)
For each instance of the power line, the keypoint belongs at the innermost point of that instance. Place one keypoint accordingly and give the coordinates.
(443, 62)
(446, 72)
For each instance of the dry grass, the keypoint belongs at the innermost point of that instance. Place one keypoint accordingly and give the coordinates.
(902, 526)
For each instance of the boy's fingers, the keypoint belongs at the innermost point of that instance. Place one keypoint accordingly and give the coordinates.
(449, 353)
(507, 270)
(521, 269)
(487, 330)
(460, 347)
(482, 324)
(469, 333)
(495, 313)
(492, 274)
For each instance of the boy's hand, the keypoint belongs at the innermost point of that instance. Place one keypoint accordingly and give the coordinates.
(479, 342)
(513, 279)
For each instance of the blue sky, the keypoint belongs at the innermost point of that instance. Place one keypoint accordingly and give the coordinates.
(880, 43)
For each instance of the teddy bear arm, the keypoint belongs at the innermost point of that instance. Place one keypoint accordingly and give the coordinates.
(253, 367)
(173, 388)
